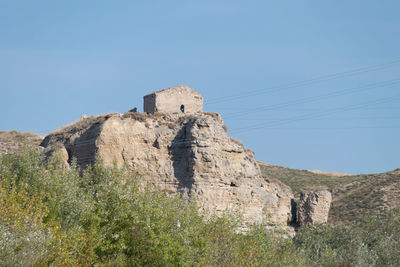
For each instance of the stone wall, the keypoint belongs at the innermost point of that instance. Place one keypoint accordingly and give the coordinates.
(172, 99)
(149, 103)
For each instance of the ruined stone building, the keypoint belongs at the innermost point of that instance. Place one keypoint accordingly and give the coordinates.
(173, 100)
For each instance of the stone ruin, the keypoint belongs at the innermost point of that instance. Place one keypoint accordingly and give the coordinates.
(173, 100)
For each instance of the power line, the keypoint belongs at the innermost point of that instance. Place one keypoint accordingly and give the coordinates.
(315, 115)
(305, 100)
(341, 119)
(335, 128)
(306, 82)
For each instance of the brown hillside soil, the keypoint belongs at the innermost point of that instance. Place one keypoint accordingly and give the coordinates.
(12, 141)
(367, 194)
(353, 195)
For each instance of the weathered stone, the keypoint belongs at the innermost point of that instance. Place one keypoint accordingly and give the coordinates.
(191, 155)
(313, 207)
(173, 100)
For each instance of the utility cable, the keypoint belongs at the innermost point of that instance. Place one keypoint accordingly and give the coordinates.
(306, 82)
(305, 100)
(316, 115)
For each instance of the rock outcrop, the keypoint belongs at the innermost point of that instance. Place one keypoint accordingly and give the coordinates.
(183, 154)
(313, 207)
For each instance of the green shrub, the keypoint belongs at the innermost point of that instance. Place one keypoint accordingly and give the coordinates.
(328, 245)
(62, 216)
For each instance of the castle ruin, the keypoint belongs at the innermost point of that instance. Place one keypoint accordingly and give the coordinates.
(173, 100)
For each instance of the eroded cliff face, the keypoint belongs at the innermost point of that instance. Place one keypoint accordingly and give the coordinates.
(313, 207)
(183, 154)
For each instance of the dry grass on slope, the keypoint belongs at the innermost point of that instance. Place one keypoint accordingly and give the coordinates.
(367, 194)
(353, 195)
(12, 141)
(300, 179)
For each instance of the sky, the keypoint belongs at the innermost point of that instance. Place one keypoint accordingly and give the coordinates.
(305, 84)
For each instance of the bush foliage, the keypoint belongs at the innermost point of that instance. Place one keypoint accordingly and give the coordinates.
(57, 216)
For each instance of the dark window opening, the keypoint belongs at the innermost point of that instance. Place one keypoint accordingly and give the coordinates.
(182, 108)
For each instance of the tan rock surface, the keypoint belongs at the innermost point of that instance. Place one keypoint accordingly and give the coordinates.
(313, 207)
(184, 154)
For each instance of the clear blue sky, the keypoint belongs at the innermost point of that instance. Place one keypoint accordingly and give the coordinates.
(266, 66)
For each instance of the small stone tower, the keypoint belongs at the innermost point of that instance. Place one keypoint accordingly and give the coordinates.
(173, 100)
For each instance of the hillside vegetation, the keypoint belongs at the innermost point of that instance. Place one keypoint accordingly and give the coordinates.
(353, 195)
(51, 215)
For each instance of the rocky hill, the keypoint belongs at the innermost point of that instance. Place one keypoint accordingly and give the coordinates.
(12, 141)
(184, 151)
(353, 195)
(187, 154)
(179, 137)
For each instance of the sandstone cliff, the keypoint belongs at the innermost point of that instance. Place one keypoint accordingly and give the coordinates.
(183, 154)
